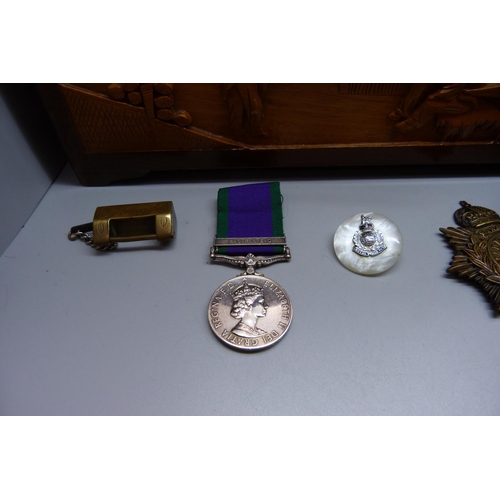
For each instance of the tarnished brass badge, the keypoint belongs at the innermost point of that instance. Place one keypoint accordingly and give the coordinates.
(477, 248)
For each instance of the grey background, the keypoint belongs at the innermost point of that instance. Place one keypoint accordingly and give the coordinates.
(30, 156)
(127, 332)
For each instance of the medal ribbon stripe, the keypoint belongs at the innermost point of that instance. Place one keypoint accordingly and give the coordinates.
(253, 210)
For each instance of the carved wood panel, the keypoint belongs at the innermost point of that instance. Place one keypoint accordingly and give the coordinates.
(122, 118)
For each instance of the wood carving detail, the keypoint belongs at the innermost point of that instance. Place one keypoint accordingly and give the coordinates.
(135, 117)
(287, 125)
(383, 89)
(245, 105)
(457, 109)
(112, 124)
(157, 98)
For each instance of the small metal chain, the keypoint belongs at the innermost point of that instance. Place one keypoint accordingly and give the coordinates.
(88, 240)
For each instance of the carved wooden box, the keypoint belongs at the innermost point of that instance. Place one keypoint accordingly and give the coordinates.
(121, 131)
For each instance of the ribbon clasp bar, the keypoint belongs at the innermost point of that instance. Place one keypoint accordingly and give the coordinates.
(250, 261)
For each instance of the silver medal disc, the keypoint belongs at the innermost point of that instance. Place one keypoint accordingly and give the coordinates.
(250, 312)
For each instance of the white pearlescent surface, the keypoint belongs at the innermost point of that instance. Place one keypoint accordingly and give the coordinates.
(343, 244)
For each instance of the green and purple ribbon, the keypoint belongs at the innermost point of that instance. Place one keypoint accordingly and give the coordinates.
(252, 210)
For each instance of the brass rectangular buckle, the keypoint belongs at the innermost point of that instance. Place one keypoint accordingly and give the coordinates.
(126, 223)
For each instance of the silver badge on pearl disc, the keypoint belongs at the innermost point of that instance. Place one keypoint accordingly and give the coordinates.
(368, 243)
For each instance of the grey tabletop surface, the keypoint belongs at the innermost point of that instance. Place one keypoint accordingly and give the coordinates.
(127, 333)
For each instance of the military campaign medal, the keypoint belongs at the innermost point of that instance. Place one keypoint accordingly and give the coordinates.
(250, 312)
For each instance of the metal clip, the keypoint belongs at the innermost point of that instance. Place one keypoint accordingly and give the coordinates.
(125, 223)
(250, 242)
(250, 261)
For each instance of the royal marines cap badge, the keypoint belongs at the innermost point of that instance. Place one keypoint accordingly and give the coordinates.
(368, 242)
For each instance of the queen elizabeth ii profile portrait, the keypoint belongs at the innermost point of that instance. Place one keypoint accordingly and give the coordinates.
(248, 307)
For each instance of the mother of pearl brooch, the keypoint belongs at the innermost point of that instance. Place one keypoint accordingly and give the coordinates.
(368, 243)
